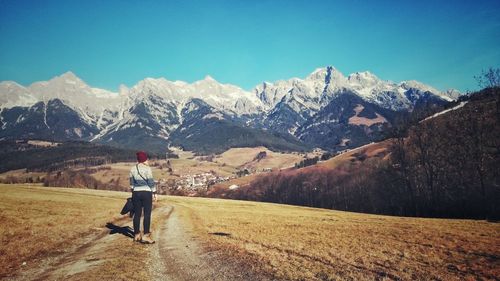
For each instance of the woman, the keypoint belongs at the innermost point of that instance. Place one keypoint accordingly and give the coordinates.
(143, 194)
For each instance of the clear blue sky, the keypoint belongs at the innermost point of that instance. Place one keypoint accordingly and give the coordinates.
(107, 43)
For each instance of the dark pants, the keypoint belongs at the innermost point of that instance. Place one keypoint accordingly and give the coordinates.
(142, 199)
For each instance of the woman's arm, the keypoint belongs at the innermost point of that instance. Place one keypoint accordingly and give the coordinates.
(151, 183)
(150, 180)
(131, 180)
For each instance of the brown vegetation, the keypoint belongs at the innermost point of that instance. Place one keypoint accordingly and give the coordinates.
(82, 179)
(40, 222)
(297, 243)
(448, 165)
(249, 157)
(342, 188)
(359, 120)
(442, 167)
(286, 242)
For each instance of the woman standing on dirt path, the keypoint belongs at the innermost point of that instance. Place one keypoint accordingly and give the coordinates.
(143, 194)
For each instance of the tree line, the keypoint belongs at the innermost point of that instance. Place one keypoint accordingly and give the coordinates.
(446, 166)
(449, 166)
(17, 155)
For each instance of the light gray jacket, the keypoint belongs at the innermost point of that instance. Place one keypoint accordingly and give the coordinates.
(141, 178)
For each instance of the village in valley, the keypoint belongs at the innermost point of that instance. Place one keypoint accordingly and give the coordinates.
(230, 170)
(195, 183)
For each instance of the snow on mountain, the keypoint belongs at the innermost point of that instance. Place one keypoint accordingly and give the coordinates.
(452, 93)
(271, 93)
(460, 105)
(157, 107)
(327, 79)
(317, 89)
(289, 103)
(417, 85)
(96, 106)
(13, 94)
(368, 86)
(68, 87)
(310, 93)
(225, 97)
(93, 104)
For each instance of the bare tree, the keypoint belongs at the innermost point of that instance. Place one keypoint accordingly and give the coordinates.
(489, 78)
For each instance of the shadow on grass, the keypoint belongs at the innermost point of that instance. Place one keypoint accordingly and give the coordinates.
(124, 230)
(220, 233)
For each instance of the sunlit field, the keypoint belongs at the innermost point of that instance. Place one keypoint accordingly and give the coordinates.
(286, 242)
(295, 243)
(39, 223)
(245, 157)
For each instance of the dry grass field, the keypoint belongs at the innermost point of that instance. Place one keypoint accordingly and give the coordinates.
(224, 165)
(296, 243)
(21, 174)
(241, 181)
(120, 171)
(238, 158)
(183, 166)
(244, 157)
(370, 150)
(286, 242)
(39, 223)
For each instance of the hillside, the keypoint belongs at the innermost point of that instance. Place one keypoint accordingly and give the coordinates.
(454, 172)
(358, 155)
(212, 135)
(50, 156)
(342, 182)
(248, 158)
(87, 165)
(42, 226)
(213, 239)
(417, 172)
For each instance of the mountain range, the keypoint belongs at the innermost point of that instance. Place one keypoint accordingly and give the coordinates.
(326, 109)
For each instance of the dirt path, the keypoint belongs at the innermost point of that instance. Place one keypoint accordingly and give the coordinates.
(176, 255)
(84, 254)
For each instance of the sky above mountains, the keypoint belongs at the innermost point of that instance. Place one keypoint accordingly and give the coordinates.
(108, 43)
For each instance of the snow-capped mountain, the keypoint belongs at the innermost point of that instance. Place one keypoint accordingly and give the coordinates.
(290, 103)
(51, 120)
(13, 94)
(154, 109)
(96, 106)
(320, 86)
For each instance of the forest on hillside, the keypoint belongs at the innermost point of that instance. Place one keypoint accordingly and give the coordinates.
(21, 154)
(447, 166)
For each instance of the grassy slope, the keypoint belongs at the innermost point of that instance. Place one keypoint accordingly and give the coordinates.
(370, 150)
(244, 157)
(293, 243)
(296, 243)
(39, 222)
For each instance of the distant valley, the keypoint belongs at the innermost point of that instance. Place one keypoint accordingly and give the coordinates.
(353, 143)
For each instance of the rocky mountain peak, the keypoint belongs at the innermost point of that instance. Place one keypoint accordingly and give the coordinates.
(209, 78)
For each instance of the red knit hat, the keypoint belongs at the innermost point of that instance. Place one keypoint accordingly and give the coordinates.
(141, 156)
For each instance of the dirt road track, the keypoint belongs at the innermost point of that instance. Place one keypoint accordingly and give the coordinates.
(60, 265)
(177, 255)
